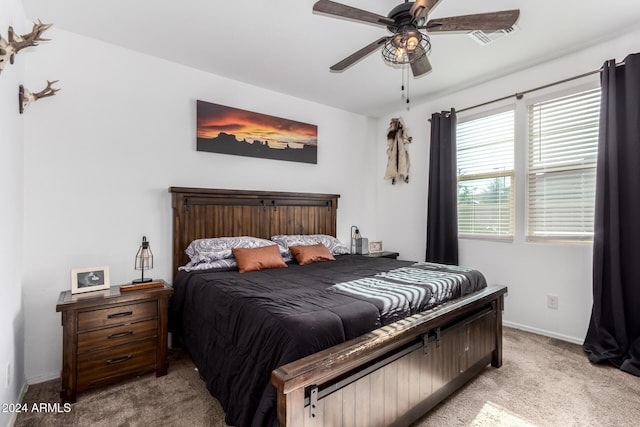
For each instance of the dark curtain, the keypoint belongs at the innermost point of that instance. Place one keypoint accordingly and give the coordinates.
(442, 208)
(614, 329)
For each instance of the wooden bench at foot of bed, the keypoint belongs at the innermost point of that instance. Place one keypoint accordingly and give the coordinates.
(395, 374)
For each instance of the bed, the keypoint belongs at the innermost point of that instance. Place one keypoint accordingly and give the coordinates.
(369, 367)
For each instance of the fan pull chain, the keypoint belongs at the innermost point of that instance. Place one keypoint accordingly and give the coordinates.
(408, 78)
(402, 88)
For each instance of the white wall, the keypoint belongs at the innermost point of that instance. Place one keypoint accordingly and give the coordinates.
(531, 270)
(11, 171)
(101, 154)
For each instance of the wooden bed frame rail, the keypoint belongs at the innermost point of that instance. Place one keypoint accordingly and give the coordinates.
(395, 374)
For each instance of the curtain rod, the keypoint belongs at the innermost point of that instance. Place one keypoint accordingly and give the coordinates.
(519, 95)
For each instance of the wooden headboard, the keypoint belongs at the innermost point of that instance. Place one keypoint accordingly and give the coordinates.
(203, 212)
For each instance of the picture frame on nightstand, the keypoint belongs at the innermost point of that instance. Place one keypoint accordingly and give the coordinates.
(375, 246)
(89, 279)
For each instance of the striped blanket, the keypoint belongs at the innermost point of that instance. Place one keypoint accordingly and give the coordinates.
(405, 291)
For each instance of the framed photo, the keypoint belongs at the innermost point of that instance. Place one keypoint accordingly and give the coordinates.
(89, 279)
(375, 246)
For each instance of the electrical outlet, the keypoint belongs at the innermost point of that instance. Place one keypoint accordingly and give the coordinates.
(552, 301)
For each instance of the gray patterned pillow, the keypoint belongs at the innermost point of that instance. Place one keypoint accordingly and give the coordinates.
(219, 265)
(217, 248)
(334, 245)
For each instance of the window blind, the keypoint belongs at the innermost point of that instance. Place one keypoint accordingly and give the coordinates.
(562, 153)
(485, 176)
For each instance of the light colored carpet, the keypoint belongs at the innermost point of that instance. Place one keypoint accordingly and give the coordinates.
(543, 382)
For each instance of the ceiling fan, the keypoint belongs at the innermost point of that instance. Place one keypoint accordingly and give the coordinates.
(409, 42)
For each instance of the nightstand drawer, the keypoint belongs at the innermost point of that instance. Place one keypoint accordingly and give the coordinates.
(104, 366)
(113, 316)
(117, 335)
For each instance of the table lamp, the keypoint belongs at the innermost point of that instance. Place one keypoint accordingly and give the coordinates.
(144, 260)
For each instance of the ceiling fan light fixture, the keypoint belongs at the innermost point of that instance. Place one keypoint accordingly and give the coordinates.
(406, 47)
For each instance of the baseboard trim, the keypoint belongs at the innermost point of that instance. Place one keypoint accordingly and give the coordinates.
(546, 333)
(14, 414)
(42, 378)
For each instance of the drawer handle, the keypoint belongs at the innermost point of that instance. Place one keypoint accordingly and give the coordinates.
(120, 335)
(122, 359)
(123, 314)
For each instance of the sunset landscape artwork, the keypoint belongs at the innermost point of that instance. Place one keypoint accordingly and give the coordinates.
(229, 130)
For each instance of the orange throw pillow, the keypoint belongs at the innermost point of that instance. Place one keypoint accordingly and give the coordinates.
(253, 259)
(311, 253)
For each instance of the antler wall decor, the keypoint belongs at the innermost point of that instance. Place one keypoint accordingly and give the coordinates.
(15, 43)
(26, 97)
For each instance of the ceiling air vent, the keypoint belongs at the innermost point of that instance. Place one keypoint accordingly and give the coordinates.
(485, 38)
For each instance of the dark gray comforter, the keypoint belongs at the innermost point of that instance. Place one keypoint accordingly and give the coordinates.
(239, 327)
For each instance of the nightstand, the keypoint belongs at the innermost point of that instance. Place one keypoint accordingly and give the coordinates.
(383, 254)
(109, 336)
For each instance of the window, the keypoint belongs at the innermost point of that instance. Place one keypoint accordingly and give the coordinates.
(562, 152)
(485, 176)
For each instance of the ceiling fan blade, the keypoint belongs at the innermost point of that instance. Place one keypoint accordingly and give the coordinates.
(421, 66)
(492, 21)
(421, 8)
(354, 57)
(344, 11)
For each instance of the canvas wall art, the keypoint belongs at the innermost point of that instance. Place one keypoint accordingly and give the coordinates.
(229, 130)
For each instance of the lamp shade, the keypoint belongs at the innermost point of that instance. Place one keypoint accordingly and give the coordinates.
(144, 260)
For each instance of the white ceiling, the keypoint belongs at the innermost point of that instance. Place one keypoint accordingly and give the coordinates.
(284, 46)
